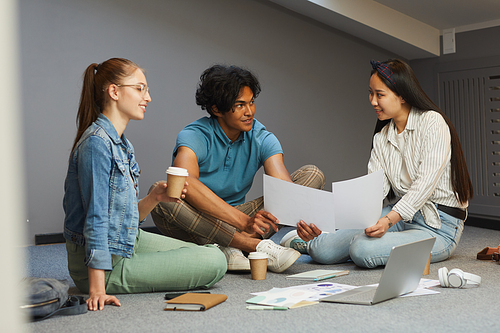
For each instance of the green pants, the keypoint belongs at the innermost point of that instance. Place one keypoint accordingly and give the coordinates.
(158, 263)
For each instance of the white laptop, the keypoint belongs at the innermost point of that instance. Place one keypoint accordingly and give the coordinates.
(401, 275)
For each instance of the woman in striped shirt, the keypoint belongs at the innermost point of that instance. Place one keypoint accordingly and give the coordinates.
(425, 178)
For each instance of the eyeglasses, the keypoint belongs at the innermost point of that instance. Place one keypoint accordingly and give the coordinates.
(140, 87)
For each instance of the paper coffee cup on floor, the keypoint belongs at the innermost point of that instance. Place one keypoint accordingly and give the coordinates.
(258, 265)
(176, 177)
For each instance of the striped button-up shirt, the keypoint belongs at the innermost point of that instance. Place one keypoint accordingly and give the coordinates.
(427, 155)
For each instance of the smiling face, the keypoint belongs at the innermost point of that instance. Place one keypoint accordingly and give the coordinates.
(131, 101)
(387, 104)
(240, 117)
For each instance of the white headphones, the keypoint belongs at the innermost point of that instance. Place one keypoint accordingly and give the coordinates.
(456, 278)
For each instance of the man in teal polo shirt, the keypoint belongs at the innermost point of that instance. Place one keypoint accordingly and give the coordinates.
(222, 154)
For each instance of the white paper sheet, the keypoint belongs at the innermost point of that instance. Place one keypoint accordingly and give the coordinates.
(358, 201)
(422, 289)
(353, 204)
(291, 203)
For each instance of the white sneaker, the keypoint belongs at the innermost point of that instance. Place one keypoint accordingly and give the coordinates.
(292, 240)
(280, 258)
(236, 261)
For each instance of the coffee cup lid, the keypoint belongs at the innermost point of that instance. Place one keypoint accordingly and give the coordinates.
(257, 255)
(177, 171)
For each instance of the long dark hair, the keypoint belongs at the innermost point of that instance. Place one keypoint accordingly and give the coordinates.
(407, 86)
(96, 78)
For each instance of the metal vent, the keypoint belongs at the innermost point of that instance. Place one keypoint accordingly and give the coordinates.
(471, 99)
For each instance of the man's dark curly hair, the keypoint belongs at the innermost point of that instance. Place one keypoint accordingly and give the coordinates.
(220, 86)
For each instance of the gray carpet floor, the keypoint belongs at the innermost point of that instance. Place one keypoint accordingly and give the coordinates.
(452, 310)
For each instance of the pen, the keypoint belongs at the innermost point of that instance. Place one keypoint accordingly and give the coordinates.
(325, 277)
(258, 307)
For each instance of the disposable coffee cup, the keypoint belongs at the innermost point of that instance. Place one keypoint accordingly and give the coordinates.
(176, 178)
(258, 265)
(427, 269)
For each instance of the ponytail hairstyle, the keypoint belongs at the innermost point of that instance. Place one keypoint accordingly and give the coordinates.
(94, 97)
(400, 79)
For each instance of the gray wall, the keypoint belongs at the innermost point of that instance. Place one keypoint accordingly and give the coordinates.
(474, 49)
(314, 79)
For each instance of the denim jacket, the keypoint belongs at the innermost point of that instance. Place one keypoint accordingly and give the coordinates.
(101, 195)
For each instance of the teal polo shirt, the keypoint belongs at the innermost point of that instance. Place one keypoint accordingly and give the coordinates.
(228, 168)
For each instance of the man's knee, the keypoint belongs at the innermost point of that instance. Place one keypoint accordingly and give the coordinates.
(310, 176)
(162, 212)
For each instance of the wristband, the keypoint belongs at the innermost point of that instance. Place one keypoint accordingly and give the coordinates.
(390, 222)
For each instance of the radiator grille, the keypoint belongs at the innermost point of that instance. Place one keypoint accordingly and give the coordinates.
(471, 99)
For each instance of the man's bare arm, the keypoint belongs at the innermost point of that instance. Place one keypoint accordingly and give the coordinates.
(202, 198)
(275, 167)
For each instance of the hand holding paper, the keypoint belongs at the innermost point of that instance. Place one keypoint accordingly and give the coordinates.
(352, 204)
(307, 232)
(262, 221)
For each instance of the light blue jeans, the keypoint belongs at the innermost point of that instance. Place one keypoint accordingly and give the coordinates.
(369, 252)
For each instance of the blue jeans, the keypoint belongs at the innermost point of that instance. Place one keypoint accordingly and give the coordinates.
(369, 252)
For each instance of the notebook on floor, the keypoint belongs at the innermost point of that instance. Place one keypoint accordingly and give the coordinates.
(401, 275)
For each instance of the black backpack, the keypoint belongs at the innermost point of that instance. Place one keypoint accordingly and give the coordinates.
(46, 297)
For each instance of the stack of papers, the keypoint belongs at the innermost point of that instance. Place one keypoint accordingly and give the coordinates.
(297, 296)
(308, 294)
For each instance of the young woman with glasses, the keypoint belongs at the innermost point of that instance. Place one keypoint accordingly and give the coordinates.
(107, 252)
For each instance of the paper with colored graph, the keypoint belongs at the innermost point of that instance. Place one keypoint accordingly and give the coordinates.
(292, 297)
